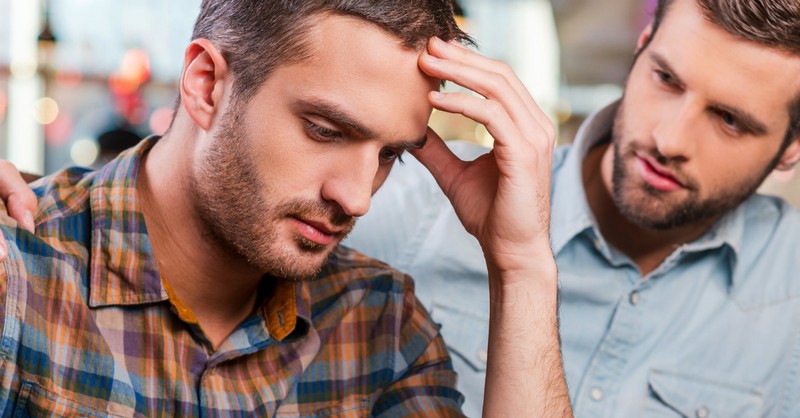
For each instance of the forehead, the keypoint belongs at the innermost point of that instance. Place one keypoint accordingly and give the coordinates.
(364, 71)
(726, 68)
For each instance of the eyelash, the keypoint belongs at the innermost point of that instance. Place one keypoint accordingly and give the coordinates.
(321, 133)
(735, 126)
(665, 78)
(329, 135)
(396, 156)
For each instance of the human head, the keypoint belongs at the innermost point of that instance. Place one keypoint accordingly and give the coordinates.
(704, 70)
(293, 141)
(256, 36)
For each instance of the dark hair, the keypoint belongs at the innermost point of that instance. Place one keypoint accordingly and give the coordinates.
(773, 23)
(257, 36)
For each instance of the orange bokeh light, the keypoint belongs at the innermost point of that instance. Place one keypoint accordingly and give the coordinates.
(3, 105)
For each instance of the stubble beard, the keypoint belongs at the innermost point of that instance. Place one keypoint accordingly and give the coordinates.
(657, 210)
(232, 203)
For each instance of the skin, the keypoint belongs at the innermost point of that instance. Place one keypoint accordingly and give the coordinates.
(699, 128)
(386, 93)
(334, 178)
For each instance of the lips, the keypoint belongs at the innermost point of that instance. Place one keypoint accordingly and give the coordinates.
(316, 231)
(657, 176)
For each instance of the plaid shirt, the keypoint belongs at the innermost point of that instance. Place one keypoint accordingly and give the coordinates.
(89, 328)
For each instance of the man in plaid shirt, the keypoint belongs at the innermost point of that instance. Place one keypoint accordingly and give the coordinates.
(199, 274)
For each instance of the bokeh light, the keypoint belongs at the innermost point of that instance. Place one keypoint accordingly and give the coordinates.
(45, 110)
(3, 105)
(84, 152)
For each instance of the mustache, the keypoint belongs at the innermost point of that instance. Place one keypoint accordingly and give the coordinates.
(307, 209)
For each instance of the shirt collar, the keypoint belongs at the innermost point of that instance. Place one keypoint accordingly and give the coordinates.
(123, 270)
(574, 216)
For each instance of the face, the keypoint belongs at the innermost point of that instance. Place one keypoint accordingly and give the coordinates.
(286, 174)
(701, 124)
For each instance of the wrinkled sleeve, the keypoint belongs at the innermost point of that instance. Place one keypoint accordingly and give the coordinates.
(425, 385)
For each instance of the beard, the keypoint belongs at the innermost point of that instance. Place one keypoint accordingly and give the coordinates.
(657, 210)
(243, 215)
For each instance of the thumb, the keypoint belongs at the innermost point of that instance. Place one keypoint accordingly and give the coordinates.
(443, 164)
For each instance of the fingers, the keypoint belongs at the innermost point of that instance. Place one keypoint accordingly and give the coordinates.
(20, 199)
(440, 161)
(492, 79)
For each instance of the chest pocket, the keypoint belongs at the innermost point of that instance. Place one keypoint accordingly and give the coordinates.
(35, 401)
(679, 395)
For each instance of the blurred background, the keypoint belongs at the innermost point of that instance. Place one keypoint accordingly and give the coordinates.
(81, 80)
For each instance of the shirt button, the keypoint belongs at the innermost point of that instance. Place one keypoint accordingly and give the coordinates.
(598, 245)
(596, 394)
(702, 412)
(483, 356)
(634, 298)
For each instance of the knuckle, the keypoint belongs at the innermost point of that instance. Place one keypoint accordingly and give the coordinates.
(495, 82)
(505, 69)
(494, 111)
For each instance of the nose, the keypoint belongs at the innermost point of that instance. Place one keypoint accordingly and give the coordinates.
(677, 129)
(352, 182)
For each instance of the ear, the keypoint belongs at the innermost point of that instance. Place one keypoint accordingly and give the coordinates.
(647, 32)
(790, 157)
(202, 86)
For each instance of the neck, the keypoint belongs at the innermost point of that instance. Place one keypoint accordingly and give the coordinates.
(219, 286)
(647, 248)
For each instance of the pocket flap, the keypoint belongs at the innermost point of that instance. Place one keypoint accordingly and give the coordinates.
(704, 397)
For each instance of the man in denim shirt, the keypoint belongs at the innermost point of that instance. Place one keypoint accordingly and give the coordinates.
(680, 293)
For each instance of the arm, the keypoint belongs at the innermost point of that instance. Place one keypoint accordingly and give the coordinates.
(503, 199)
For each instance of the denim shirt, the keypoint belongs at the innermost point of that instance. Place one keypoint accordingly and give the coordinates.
(714, 331)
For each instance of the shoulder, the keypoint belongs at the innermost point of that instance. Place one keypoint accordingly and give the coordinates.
(366, 290)
(768, 257)
(770, 224)
(62, 193)
(348, 270)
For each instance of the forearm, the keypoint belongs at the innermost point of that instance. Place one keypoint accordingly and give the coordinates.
(524, 375)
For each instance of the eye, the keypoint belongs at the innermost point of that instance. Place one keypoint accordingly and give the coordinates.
(321, 133)
(665, 78)
(388, 156)
(730, 121)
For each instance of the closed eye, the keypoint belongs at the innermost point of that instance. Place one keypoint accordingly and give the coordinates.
(321, 133)
(666, 78)
(389, 155)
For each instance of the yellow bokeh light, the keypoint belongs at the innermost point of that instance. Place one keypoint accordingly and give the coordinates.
(45, 110)
(84, 152)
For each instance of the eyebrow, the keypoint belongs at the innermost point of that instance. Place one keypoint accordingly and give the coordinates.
(748, 122)
(339, 116)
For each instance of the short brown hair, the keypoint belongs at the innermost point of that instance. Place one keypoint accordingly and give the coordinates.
(772, 23)
(257, 36)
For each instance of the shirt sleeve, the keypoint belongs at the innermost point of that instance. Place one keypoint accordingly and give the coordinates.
(426, 387)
